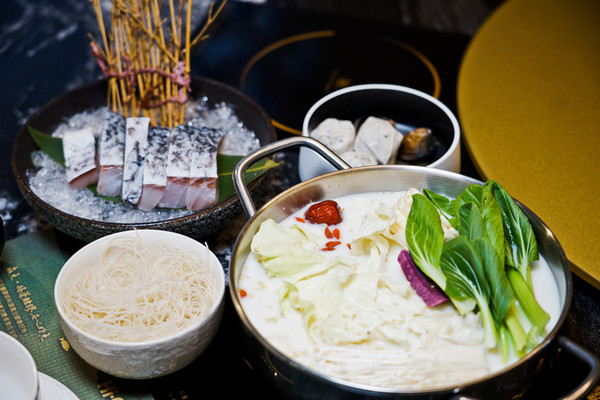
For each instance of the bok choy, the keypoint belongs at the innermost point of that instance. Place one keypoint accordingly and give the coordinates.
(465, 281)
(521, 249)
(425, 238)
(487, 266)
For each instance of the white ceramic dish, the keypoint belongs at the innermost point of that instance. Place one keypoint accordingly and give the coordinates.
(149, 359)
(402, 104)
(51, 389)
(18, 372)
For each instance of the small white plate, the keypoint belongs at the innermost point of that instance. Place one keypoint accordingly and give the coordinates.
(18, 372)
(51, 389)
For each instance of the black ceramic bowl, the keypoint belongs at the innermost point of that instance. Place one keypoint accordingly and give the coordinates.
(196, 225)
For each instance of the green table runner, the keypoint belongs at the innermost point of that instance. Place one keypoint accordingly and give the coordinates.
(28, 268)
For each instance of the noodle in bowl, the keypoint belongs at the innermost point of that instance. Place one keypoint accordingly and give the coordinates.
(140, 304)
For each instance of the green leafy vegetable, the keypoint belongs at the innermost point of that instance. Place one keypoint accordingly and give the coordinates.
(492, 218)
(444, 204)
(520, 240)
(478, 228)
(488, 265)
(465, 280)
(520, 249)
(502, 295)
(515, 328)
(425, 238)
(472, 194)
(504, 342)
(536, 314)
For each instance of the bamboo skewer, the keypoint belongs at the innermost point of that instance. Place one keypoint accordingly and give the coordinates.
(146, 57)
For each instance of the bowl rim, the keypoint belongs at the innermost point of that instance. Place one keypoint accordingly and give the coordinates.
(396, 88)
(218, 301)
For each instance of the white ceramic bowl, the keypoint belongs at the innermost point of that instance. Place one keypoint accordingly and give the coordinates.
(18, 373)
(149, 359)
(402, 104)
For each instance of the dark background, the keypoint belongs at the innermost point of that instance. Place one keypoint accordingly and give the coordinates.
(44, 51)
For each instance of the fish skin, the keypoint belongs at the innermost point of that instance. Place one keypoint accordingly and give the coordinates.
(79, 149)
(154, 170)
(203, 188)
(136, 138)
(111, 147)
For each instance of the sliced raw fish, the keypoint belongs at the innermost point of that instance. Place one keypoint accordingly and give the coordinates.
(79, 149)
(203, 190)
(111, 147)
(155, 163)
(136, 138)
(201, 193)
(179, 159)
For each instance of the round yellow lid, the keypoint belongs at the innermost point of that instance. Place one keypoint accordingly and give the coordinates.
(529, 106)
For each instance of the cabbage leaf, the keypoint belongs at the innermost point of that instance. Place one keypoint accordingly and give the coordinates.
(281, 249)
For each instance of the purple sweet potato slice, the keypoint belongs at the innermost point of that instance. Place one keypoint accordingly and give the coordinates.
(427, 290)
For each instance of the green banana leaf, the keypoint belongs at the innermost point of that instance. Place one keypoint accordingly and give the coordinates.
(50, 145)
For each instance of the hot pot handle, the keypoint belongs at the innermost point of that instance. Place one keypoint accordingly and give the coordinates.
(283, 144)
(586, 386)
(590, 359)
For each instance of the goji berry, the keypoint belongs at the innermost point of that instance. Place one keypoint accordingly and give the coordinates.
(324, 212)
(331, 245)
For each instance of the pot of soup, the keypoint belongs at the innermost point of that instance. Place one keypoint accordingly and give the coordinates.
(364, 283)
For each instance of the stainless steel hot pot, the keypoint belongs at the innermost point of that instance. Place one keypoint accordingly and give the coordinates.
(293, 380)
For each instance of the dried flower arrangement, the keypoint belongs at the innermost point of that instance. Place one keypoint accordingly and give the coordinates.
(146, 57)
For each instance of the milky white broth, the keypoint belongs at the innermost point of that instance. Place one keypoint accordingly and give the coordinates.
(420, 361)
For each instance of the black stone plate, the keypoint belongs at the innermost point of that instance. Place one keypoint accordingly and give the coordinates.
(197, 225)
